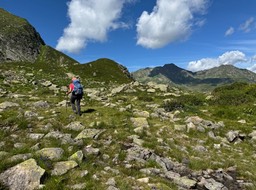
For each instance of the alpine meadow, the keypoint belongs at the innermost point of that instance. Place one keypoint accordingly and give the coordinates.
(160, 128)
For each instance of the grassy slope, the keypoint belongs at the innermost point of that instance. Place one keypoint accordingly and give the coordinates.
(118, 129)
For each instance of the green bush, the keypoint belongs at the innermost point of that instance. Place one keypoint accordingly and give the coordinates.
(146, 98)
(173, 105)
(182, 102)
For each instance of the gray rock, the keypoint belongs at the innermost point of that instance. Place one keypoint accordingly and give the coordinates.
(20, 157)
(185, 182)
(51, 153)
(89, 133)
(30, 114)
(61, 168)
(78, 186)
(88, 150)
(211, 184)
(77, 156)
(75, 126)
(232, 135)
(180, 127)
(47, 83)
(139, 122)
(144, 114)
(111, 182)
(41, 104)
(119, 89)
(24, 176)
(35, 136)
(65, 138)
(6, 105)
(200, 148)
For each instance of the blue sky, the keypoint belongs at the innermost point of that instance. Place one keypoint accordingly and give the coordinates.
(193, 34)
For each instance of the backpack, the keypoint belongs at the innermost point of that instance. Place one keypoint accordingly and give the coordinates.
(78, 88)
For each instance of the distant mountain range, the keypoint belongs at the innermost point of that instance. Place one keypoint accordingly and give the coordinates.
(202, 80)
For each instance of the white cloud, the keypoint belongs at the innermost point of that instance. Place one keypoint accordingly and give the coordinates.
(169, 21)
(91, 20)
(253, 62)
(230, 31)
(247, 26)
(228, 58)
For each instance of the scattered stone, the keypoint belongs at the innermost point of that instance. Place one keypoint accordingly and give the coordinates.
(77, 156)
(6, 105)
(61, 168)
(139, 122)
(41, 104)
(143, 180)
(89, 133)
(35, 136)
(232, 135)
(180, 127)
(88, 150)
(75, 126)
(51, 153)
(30, 114)
(46, 83)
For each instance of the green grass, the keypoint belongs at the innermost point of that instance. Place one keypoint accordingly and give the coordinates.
(118, 127)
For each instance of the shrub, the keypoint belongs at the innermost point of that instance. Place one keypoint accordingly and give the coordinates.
(183, 102)
(173, 105)
(145, 98)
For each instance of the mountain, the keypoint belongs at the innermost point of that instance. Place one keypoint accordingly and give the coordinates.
(202, 80)
(19, 41)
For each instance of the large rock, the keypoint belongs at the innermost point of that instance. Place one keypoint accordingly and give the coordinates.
(75, 126)
(24, 176)
(6, 105)
(89, 133)
(51, 153)
(61, 168)
(139, 122)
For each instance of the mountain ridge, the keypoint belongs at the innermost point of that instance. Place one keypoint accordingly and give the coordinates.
(200, 80)
(20, 42)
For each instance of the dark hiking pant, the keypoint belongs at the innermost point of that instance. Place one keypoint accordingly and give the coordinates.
(76, 107)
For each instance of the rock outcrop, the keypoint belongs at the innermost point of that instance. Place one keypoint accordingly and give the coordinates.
(19, 41)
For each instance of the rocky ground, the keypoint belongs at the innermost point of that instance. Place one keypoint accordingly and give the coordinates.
(124, 139)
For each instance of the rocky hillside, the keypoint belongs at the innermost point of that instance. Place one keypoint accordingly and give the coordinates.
(205, 80)
(19, 41)
(130, 136)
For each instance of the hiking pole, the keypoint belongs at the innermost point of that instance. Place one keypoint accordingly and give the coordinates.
(66, 103)
(67, 98)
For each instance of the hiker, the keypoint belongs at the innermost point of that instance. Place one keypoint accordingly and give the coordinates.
(76, 90)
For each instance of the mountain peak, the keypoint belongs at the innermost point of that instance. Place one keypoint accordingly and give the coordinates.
(202, 80)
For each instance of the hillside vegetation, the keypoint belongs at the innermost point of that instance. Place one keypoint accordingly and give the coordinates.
(130, 136)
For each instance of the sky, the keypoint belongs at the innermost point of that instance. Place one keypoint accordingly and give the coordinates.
(193, 34)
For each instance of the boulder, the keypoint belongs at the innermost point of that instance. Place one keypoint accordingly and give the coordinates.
(61, 168)
(51, 153)
(25, 176)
